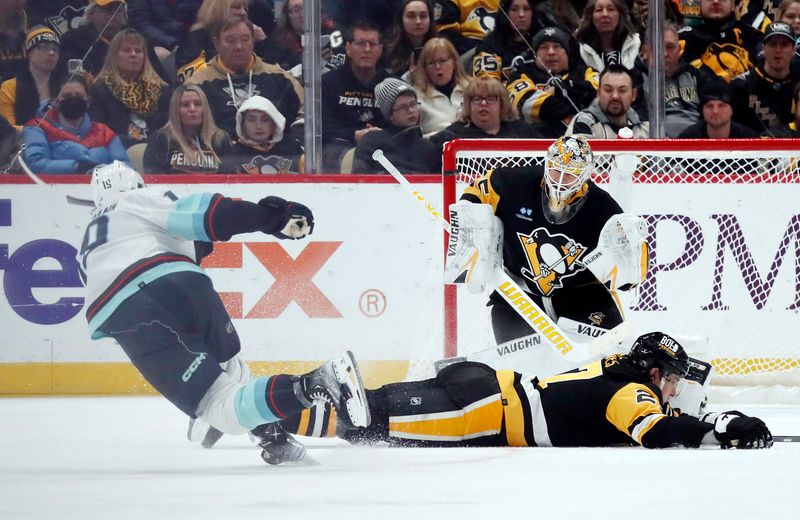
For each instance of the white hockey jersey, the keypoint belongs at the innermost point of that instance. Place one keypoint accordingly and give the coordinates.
(136, 238)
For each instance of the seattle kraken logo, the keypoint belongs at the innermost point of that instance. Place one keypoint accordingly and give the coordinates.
(550, 258)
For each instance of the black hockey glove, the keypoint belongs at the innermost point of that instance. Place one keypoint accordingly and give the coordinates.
(734, 429)
(287, 219)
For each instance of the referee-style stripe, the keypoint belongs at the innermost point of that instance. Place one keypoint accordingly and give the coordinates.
(479, 419)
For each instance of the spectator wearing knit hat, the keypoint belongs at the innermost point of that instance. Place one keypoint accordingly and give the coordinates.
(21, 97)
(401, 139)
(762, 97)
(508, 45)
(550, 90)
(715, 98)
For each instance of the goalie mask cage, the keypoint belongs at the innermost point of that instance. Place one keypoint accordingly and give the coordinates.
(724, 229)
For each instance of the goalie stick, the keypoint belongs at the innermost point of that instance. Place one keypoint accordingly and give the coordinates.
(551, 333)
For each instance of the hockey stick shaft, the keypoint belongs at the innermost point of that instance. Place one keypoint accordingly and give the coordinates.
(507, 288)
(786, 438)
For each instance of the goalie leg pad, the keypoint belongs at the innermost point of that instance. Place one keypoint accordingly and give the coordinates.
(474, 251)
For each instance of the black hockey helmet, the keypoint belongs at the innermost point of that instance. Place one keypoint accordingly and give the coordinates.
(656, 349)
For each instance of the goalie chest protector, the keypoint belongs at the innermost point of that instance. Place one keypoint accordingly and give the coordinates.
(533, 248)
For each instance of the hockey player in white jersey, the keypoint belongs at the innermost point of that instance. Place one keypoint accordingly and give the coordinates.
(140, 261)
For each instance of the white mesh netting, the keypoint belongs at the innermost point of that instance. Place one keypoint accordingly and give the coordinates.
(724, 227)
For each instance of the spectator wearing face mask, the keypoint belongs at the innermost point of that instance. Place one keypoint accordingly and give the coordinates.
(64, 140)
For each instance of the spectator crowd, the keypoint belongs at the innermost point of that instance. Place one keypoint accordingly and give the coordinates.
(215, 86)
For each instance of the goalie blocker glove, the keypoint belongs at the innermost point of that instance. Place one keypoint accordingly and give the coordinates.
(735, 430)
(287, 219)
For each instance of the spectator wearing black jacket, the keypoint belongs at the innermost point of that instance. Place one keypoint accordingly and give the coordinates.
(101, 15)
(508, 46)
(413, 27)
(719, 43)
(198, 46)
(20, 97)
(485, 113)
(792, 129)
(235, 75)
(163, 22)
(13, 24)
(128, 95)
(550, 90)
(762, 96)
(9, 142)
(716, 97)
(349, 110)
(401, 139)
(190, 142)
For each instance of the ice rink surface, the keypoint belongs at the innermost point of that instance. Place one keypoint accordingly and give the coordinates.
(128, 458)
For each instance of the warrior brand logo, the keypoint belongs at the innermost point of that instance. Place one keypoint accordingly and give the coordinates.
(415, 401)
(536, 319)
(550, 258)
(193, 367)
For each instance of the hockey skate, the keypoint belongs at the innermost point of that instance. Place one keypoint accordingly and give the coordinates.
(338, 383)
(277, 446)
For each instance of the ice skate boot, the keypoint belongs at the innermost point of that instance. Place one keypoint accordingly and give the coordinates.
(277, 446)
(338, 383)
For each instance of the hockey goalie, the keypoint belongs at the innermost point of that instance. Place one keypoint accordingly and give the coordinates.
(567, 244)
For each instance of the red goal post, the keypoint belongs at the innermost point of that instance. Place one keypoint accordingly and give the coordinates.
(724, 225)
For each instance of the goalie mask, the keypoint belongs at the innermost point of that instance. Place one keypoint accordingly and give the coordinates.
(109, 180)
(568, 164)
(659, 350)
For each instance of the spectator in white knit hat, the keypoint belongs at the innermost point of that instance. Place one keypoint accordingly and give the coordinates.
(401, 140)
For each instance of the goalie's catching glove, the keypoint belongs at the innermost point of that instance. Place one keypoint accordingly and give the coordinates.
(287, 219)
(734, 429)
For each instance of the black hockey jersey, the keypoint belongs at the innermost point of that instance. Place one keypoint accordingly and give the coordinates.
(532, 245)
(600, 404)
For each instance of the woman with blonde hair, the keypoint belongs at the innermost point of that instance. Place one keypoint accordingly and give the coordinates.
(190, 142)
(485, 112)
(128, 95)
(439, 80)
(198, 47)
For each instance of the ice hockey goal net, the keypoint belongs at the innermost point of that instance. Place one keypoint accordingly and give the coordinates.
(724, 227)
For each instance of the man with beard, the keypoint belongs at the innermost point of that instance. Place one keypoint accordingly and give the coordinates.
(611, 110)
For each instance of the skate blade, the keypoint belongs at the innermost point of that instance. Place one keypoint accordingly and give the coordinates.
(347, 373)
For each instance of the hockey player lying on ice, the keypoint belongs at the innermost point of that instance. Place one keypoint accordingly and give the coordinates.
(621, 399)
